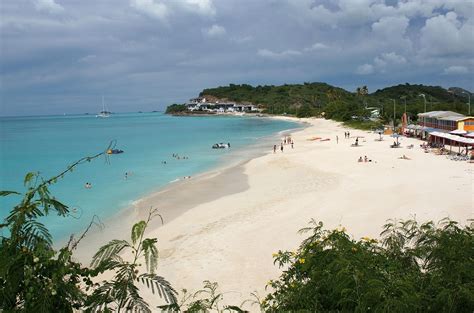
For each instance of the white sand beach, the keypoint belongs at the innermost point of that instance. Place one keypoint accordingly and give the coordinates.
(224, 226)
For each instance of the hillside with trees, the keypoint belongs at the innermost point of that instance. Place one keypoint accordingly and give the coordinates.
(321, 99)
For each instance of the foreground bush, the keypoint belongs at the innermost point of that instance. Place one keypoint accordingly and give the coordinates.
(414, 268)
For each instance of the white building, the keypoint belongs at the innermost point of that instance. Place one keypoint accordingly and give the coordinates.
(201, 104)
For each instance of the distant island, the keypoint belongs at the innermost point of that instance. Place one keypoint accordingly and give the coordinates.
(321, 99)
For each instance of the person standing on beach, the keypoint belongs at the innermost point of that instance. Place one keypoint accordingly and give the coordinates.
(281, 147)
(274, 148)
(292, 142)
(337, 139)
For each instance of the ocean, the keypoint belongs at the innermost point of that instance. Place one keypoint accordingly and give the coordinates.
(48, 144)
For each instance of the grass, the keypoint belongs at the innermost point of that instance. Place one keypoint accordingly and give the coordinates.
(363, 125)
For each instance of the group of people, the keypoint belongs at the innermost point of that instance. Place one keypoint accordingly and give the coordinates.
(365, 159)
(347, 135)
(177, 157)
(88, 185)
(286, 141)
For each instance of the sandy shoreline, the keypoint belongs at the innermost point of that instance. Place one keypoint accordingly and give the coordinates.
(225, 225)
(176, 197)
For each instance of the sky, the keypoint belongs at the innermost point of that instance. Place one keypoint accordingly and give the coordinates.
(61, 56)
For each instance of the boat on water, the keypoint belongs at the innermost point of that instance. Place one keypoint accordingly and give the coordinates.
(221, 145)
(114, 151)
(104, 113)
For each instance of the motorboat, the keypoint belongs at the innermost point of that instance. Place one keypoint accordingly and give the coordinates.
(221, 145)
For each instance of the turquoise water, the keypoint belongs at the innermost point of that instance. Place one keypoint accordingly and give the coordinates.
(49, 144)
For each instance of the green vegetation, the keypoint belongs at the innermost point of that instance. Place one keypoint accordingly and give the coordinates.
(364, 125)
(34, 277)
(415, 268)
(175, 108)
(321, 99)
(289, 99)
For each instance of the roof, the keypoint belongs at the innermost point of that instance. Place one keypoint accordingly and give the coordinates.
(453, 137)
(431, 129)
(442, 115)
(467, 118)
(452, 118)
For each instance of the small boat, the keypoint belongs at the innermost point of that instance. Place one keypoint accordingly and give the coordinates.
(221, 145)
(103, 113)
(114, 151)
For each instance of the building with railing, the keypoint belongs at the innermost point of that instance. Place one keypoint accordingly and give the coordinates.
(442, 120)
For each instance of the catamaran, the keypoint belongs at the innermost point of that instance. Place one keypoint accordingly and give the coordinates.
(104, 112)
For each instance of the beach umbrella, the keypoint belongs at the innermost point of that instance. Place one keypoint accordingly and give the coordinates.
(395, 135)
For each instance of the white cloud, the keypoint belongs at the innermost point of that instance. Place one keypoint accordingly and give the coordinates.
(365, 69)
(447, 35)
(453, 70)
(389, 59)
(214, 31)
(151, 8)
(391, 27)
(204, 7)
(265, 53)
(384, 61)
(48, 6)
(316, 47)
(242, 39)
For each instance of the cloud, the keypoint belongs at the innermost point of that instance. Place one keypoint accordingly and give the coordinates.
(456, 70)
(214, 31)
(131, 47)
(365, 69)
(381, 63)
(446, 34)
(265, 53)
(389, 59)
(48, 6)
(242, 39)
(390, 27)
(204, 7)
(318, 46)
(151, 8)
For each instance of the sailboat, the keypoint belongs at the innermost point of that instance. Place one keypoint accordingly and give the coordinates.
(104, 112)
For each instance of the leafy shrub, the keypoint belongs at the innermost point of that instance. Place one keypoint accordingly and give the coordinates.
(415, 268)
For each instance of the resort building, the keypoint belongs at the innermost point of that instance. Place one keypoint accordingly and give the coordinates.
(446, 128)
(445, 121)
(201, 104)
